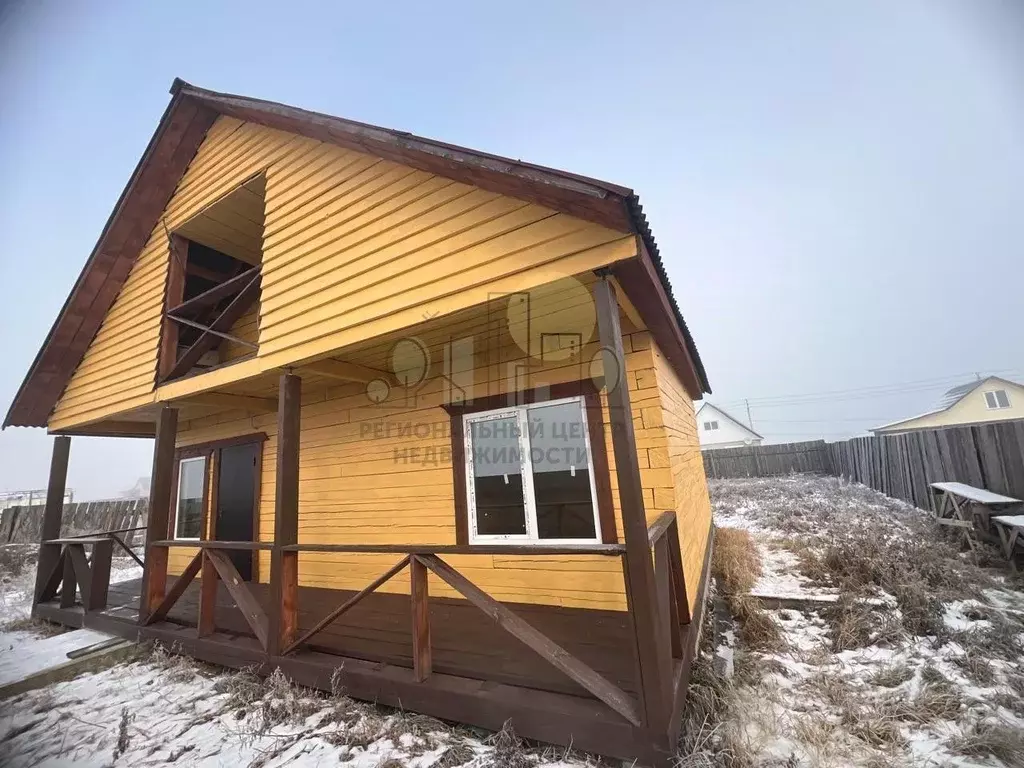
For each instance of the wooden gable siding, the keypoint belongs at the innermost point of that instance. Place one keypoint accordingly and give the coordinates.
(118, 371)
(387, 479)
(354, 247)
(674, 448)
(245, 328)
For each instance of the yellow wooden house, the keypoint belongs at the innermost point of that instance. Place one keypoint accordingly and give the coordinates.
(423, 425)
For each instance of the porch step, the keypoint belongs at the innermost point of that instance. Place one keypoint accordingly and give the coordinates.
(41, 662)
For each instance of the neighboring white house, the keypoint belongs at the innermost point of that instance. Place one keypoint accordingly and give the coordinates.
(976, 402)
(717, 429)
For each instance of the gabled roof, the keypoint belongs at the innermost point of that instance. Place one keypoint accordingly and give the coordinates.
(731, 418)
(182, 128)
(950, 398)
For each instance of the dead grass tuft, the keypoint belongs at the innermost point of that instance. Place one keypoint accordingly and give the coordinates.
(123, 739)
(735, 560)
(935, 701)
(877, 730)
(759, 631)
(856, 623)
(509, 749)
(978, 668)
(711, 733)
(457, 754)
(37, 627)
(1000, 740)
(177, 667)
(932, 674)
(892, 675)
(17, 559)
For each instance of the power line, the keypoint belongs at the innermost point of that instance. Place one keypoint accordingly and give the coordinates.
(859, 393)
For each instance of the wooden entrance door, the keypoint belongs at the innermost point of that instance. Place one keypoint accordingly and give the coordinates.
(236, 501)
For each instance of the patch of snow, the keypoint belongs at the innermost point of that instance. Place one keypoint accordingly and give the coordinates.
(22, 654)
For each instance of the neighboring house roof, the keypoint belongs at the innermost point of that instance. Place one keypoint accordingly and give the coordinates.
(731, 418)
(192, 111)
(950, 398)
(956, 394)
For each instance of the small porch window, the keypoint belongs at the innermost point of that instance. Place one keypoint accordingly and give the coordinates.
(188, 508)
(530, 474)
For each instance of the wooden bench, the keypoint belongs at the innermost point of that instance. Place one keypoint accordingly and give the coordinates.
(966, 508)
(1010, 528)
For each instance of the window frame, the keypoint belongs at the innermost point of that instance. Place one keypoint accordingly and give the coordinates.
(203, 498)
(995, 399)
(590, 391)
(522, 415)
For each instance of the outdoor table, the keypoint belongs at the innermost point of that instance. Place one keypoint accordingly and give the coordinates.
(963, 506)
(1009, 528)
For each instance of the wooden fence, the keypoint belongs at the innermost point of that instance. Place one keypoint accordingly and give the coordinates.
(768, 460)
(902, 466)
(22, 524)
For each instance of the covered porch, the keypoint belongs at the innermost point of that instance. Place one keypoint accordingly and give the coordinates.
(610, 681)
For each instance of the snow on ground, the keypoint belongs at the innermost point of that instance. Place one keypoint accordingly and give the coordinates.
(161, 709)
(899, 652)
(18, 634)
(916, 658)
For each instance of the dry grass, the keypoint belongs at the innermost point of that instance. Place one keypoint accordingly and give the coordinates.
(892, 675)
(933, 702)
(759, 631)
(896, 577)
(736, 564)
(1000, 740)
(857, 623)
(457, 754)
(978, 668)
(37, 627)
(711, 733)
(18, 559)
(735, 560)
(509, 749)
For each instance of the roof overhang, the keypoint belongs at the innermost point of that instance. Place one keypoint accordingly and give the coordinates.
(181, 130)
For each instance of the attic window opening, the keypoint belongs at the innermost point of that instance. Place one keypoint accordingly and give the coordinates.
(997, 399)
(710, 425)
(213, 286)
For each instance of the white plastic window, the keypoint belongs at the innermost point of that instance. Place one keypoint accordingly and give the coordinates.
(530, 475)
(188, 508)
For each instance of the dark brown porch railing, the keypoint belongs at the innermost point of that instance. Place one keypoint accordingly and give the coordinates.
(74, 570)
(663, 537)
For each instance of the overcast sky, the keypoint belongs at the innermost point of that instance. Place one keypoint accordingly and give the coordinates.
(837, 187)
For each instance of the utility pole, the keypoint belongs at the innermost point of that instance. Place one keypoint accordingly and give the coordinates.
(750, 423)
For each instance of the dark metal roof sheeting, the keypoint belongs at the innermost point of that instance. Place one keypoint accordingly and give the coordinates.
(636, 212)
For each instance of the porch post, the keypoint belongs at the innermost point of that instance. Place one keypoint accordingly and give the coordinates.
(655, 673)
(284, 566)
(49, 554)
(154, 571)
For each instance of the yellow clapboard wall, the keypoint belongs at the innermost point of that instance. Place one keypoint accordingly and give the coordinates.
(373, 475)
(354, 247)
(675, 451)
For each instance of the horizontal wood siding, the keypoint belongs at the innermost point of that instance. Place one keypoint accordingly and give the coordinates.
(354, 247)
(678, 455)
(373, 475)
(246, 328)
(119, 368)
